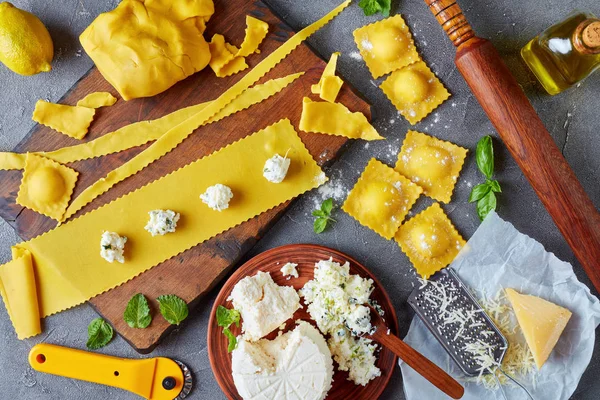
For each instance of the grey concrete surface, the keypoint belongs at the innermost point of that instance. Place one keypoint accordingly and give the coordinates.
(571, 117)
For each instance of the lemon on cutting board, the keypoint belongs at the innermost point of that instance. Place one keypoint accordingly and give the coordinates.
(25, 44)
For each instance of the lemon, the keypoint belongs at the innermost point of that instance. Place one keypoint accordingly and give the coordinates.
(25, 44)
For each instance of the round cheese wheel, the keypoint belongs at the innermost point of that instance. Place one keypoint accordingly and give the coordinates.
(377, 198)
(430, 163)
(429, 240)
(411, 86)
(388, 43)
(46, 185)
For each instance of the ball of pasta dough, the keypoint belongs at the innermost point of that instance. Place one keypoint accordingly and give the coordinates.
(430, 163)
(46, 185)
(388, 43)
(411, 86)
(429, 240)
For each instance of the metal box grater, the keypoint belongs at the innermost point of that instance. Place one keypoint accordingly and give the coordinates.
(458, 298)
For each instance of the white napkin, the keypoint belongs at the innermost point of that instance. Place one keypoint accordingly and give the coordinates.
(496, 257)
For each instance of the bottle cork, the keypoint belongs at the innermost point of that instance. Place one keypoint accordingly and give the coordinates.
(587, 37)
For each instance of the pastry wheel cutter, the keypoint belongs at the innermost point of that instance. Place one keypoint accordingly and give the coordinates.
(156, 378)
(453, 315)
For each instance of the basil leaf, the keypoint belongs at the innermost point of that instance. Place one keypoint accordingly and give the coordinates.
(495, 186)
(479, 191)
(327, 206)
(370, 7)
(173, 308)
(99, 334)
(386, 6)
(319, 213)
(485, 156)
(486, 204)
(226, 317)
(320, 224)
(232, 340)
(137, 312)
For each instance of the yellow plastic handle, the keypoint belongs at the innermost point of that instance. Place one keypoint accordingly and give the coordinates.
(143, 377)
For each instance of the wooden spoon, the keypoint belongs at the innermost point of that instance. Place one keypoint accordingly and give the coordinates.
(413, 358)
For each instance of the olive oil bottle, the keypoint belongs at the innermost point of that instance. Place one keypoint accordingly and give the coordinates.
(566, 53)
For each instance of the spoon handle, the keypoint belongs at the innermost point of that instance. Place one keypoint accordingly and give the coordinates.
(421, 364)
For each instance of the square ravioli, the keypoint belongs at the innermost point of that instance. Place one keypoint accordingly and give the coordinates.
(431, 163)
(381, 198)
(430, 240)
(386, 45)
(46, 186)
(415, 91)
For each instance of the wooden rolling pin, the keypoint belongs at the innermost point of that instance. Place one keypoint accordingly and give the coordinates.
(525, 136)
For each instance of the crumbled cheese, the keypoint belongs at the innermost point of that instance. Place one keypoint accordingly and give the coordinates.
(336, 301)
(217, 197)
(276, 168)
(162, 222)
(112, 247)
(289, 270)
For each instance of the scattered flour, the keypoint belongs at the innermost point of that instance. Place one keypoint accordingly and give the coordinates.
(355, 55)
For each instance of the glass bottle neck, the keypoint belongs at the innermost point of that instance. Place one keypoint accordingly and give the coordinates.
(586, 38)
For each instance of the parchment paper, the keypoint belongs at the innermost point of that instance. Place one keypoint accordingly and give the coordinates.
(498, 256)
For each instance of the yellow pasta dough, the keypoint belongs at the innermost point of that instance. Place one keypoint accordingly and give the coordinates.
(46, 187)
(72, 121)
(329, 85)
(256, 31)
(97, 100)
(386, 45)
(224, 61)
(431, 163)
(335, 119)
(67, 263)
(429, 240)
(381, 198)
(415, 91)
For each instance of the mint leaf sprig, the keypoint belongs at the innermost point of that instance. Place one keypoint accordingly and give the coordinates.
(226, 317)
(371, 7)
(99, 334)
(485, 193)
(174, 309)
(137, 313)
(323, 216)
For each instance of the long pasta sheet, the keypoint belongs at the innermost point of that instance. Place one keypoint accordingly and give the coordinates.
(180, 132)
(63, 267)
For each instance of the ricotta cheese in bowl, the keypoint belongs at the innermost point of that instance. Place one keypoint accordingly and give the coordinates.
(295, 365)
(336, 301)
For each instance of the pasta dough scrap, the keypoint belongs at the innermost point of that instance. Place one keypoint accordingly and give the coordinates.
(224, 61)
(329, 85)
(46, 187)
(386, 45)
(415, 91)
(97, 100)
(68, 270)
(335, 119)
(381, 198)
(256, 31)
(429, 240)
(431, 163)
(72, 121)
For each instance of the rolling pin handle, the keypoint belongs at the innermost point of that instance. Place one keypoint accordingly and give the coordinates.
(451, 18)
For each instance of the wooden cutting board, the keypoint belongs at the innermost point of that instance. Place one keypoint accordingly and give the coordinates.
(191, 274)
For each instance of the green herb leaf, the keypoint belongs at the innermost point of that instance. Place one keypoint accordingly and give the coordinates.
(479, 191)
(99, 334)
(371, 7)
(226, 317)
(327, 206)
(320, 225)
(232, 340)
(486, 204)
(319, 213)
(173, 308)
(485, 156)
(137, 312)
(494, 185)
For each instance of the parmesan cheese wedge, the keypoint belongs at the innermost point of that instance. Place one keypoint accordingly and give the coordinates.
(541, 321)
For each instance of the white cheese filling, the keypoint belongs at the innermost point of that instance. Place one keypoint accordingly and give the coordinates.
(336, 301)
(162, 222)
(263, 304)
(112, 247)
(276, 168)
(289, 270)
(217, 197)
